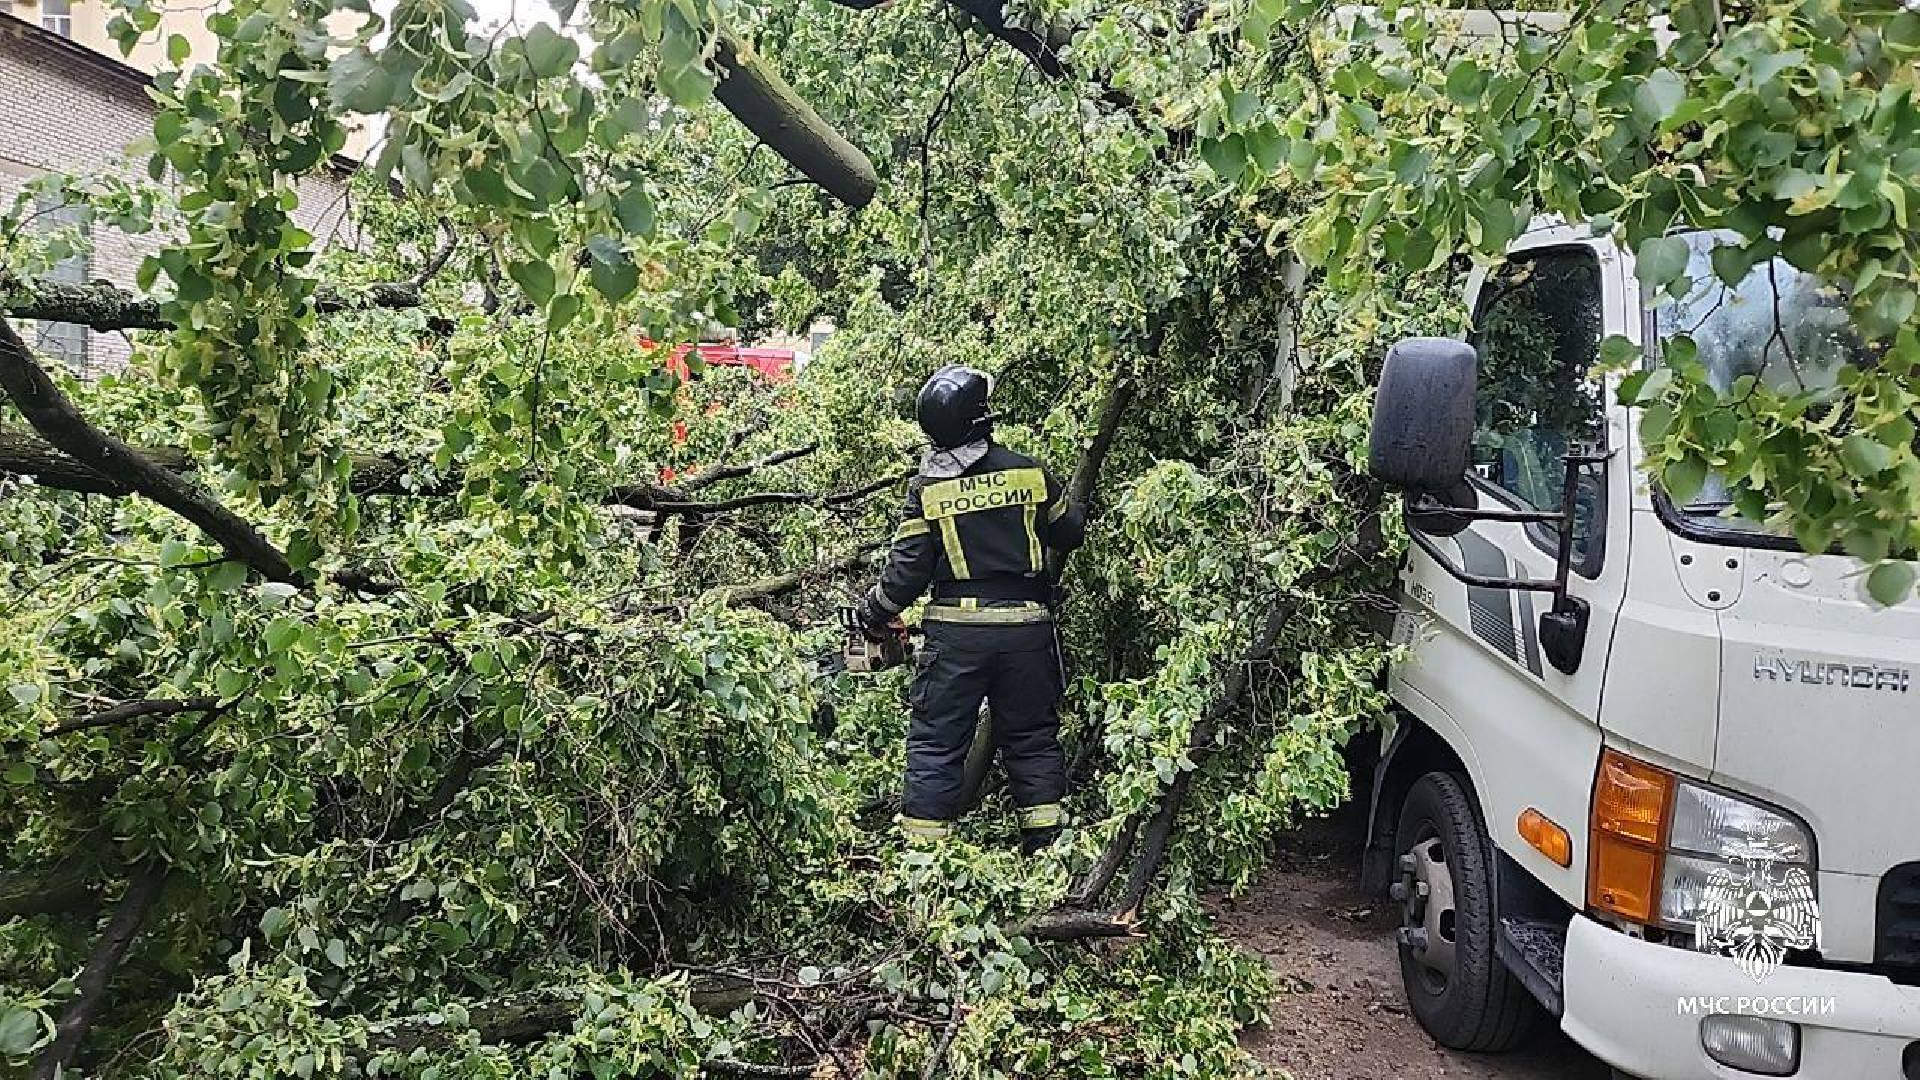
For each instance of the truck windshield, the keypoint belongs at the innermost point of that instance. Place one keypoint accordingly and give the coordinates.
(1786, 328)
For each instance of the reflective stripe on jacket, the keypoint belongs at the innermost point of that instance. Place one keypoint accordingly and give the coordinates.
(993, 523)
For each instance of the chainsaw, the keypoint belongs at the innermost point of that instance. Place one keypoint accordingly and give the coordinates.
(861, 653)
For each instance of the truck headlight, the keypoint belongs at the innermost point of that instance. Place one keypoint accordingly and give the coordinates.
(1657, 840)
(1710, 829)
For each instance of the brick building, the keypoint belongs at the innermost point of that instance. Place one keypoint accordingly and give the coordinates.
(66, 107)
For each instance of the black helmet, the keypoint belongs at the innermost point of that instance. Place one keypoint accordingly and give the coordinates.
(953, 406)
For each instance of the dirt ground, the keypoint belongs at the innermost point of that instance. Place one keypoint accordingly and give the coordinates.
(1341, 1014)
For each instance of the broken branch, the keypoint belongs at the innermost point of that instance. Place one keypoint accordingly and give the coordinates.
(761, 100)
(101, 306)
(62, 425)
(142, 892)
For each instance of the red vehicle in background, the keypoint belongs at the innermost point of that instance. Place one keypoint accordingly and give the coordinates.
(777, 365)
(772, 364)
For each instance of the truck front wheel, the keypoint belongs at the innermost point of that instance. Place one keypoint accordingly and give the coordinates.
(1458, 989)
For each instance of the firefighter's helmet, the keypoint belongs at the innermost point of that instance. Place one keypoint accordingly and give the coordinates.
(953, 406)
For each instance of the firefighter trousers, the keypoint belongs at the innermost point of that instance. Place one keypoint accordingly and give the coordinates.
(1016, 669)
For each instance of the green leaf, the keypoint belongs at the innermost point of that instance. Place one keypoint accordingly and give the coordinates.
(1684, 478)
(19, 774)
(337, 952)
(1890, 582)
(24, 693)
(1660, 95)
(566, 307)
(226, 576)
(275, 593)
(1465, 82)
(1617, 352)
(274, 922)
(1266, 146)
(357, 82)
(687, 86)
(1660, 260)
(634, 211)
(535, 279)
(549, 52)
(1242, 107)
(178, 49)
(20, 1031)
(1226, 157)
(615, 280)
(1864, 455)
(1902, 32)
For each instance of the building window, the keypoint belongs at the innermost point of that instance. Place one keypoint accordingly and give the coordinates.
(66, 342)
(57, 16)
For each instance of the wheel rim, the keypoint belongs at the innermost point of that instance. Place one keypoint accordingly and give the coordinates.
(1428, 920)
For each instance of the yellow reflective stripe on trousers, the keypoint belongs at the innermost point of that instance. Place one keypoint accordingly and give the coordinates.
(956, 555)
(1058, 510)
(924, 828)
(910, 528)
(1044, 816)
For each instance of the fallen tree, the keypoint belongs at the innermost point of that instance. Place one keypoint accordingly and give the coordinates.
(103, 306)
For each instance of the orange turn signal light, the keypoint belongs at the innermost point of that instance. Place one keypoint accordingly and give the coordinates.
(1632, 805)
(1547, 838)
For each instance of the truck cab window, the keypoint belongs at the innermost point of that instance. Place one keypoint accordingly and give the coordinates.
(1537, 328)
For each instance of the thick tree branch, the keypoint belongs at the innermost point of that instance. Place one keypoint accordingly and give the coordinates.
(101, 306)
(62, 425)
(25, 454)
(760, 99)
(648, 497)
(524, 1017)
(68, 886)
(769, 587)
(134, 710)
(108, 952)
(714, 474)
(1042, 51)
(1086, 475)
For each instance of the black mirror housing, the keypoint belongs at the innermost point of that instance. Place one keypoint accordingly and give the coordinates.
(1423, 414)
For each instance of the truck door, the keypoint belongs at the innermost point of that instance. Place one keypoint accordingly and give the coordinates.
(1476, 672)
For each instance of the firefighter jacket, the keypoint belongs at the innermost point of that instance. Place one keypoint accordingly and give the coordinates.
(980, 536)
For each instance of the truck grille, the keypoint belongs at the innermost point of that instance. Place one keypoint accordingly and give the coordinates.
(1898, 942)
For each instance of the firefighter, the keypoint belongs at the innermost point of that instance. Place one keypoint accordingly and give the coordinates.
(980, 520)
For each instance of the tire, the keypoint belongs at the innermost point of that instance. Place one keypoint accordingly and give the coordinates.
(1456, 987)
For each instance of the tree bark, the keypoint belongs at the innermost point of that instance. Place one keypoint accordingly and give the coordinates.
(23, 454)
(134, 710)
(142, 892)
(1086, 475)
(66, 887)
(760, 99)
(524, 1017)
(62, 425)
(100, 306)
(1043, 52)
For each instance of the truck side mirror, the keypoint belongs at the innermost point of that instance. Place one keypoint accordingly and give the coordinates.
(1421, 439)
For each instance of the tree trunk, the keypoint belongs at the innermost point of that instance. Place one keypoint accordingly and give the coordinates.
(760, 99)
(142, 892)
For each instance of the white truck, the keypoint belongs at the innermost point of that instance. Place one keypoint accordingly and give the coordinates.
(1657, 774)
